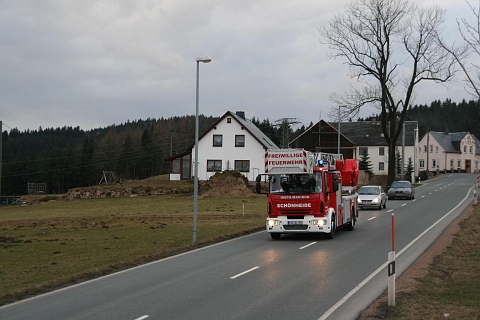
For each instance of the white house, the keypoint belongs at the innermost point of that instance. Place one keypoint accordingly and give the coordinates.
(232, 143)
(452, 152)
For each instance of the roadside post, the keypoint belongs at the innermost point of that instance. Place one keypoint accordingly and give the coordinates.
(475, 189)
(391, 268)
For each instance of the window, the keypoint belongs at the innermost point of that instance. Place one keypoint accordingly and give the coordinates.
(229, 120)
(217, 140)
(381, 166)
(214, 165)
(464, 149)
(422, 163)
(431, 148)
(242, 165)
(363, 151)
(436, 149)
(425, 148)
(239, 141)
(381, 151)
(434, 163)
(176, 166)
(458, 164)
(451, 163)
(471, 149)
(419, 150)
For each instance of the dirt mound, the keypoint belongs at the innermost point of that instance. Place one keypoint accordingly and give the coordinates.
(226, 184)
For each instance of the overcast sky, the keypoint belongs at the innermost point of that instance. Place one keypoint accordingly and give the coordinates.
(97, 63)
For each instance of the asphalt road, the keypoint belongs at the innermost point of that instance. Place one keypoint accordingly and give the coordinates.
(254, 277)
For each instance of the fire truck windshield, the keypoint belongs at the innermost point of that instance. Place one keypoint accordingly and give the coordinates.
(296, 183)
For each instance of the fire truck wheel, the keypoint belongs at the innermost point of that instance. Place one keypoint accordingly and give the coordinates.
(331, 234)
(351, 224)
(275, 236)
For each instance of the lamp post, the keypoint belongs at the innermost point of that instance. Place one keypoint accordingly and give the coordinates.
(204, 59)
(415, 155)
(339, 120)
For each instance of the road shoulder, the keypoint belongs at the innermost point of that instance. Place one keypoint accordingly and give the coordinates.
(408, 280)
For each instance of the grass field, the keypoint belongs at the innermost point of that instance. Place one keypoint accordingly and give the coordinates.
(60, 242)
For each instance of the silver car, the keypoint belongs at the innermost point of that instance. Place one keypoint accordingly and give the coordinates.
(401, 189)
(372, 197)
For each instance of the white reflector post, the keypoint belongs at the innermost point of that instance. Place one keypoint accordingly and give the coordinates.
(391, 279)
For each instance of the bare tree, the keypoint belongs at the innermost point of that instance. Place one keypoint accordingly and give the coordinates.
(390, 46)
(470, 33)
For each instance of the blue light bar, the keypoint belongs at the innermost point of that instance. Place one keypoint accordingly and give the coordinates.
(320, 162)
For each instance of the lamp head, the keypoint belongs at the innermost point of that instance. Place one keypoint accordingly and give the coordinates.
(205, 59)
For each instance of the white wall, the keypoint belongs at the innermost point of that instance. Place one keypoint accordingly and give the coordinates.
(228, 153)
(376, 158)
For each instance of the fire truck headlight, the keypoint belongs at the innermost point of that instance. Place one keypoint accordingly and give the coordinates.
(320, 222)
(272, 223)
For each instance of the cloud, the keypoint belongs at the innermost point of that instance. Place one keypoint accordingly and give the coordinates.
(95, 63)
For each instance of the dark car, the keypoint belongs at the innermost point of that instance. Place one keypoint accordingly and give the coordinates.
(401, 190)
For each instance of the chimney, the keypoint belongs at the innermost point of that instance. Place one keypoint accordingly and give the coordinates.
(241, 114)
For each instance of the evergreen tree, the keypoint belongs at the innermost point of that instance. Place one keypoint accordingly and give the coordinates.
(87, 176)
(398, 164)
(126, 162)
(409, 170)
(365, 164)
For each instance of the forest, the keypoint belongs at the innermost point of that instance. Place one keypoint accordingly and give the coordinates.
(66, 158)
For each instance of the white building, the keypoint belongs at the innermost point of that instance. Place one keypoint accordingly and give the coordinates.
(449, 152)
(232, 143)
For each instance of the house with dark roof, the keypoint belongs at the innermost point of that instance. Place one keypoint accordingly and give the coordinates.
(356, 139)
(449, 152)
(232, 143)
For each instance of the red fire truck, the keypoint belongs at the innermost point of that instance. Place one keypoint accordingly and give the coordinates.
(309, 192)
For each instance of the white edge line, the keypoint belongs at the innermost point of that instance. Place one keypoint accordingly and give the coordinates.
(244, 272)
(308, 245)
(361, 284)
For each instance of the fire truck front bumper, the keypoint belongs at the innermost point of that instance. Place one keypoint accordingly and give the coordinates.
(305, 225)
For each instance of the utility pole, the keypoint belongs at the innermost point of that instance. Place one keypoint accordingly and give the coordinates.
(284, 124)
(1, 160)
(402, 169)
(171, 139)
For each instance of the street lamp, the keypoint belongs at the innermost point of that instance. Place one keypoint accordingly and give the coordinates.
(204, 59)
(338, 146)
